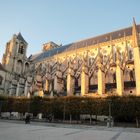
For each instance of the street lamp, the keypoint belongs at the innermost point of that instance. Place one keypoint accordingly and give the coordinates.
(109, 112)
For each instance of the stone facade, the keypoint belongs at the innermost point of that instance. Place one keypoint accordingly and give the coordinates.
(98, 66)
(16, 65)
(2, 78)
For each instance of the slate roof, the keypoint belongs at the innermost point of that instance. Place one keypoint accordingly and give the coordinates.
(87, 42)
(20, 37)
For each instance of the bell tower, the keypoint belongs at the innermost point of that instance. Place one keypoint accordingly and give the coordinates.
(15, 54)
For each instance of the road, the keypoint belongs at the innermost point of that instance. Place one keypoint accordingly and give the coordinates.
(17, 130)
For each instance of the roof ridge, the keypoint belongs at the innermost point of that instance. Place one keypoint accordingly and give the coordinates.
(103, 34)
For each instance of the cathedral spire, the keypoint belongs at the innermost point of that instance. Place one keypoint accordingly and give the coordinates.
(134, 34)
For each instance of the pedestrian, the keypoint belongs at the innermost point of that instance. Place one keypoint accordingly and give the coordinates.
(27, 119)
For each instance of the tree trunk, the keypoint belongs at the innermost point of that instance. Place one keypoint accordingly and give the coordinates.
(64, 114)
(53, 117)
(70, 118)
(137, 122)
(96, 119)
(90, 119)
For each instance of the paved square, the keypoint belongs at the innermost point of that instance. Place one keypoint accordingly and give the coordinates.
(17, 130)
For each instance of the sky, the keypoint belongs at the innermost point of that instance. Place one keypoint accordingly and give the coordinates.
(63, 21)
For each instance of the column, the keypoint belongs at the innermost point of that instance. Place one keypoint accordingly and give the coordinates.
(26, 89)
(119, 80)
(11, 90)
(101, 81)
(58, 82)
(84, 80)
(51, 87)
(40, 93)
(136, 52)
(18, 90)
(46, 88)
(137, 69)
(13, 87)
(70, 82)
(27, 86)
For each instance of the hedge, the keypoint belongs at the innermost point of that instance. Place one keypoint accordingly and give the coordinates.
(61, 107)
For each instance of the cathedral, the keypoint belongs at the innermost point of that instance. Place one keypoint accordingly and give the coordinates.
(104, 65)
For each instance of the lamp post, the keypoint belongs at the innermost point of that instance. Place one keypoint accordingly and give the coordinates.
(109, 111)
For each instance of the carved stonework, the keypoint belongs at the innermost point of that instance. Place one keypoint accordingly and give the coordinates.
(102, 64)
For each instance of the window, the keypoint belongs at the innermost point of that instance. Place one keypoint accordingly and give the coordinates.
(114, 57)
(90, 61)
(26, 67)
(114, 54)
(131, 74)
(114, 77)
(130, 54)
(19, 67)
(21, 49)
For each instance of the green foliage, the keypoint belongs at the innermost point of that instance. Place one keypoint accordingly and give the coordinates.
(46, 106)
(121, 107)
(35, 104)
(21, 105)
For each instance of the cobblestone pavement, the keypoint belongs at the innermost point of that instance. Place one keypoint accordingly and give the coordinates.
(17, 130)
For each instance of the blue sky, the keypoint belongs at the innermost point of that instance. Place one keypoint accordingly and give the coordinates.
(63, 21)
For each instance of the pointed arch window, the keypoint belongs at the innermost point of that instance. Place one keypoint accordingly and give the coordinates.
(19, 67)
(26, 67)
(114, 54)
(130, 54)
(90, 61)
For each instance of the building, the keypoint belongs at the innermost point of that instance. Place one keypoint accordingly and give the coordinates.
(102, 65)
(2, 78)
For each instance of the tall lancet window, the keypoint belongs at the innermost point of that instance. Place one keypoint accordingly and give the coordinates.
(26, 67)
(90, 61)
(130, 54)
(19, 67)
(114, 54)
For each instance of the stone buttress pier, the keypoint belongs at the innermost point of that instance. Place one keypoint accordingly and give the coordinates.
(70, 82)
(119, 76)
(20, 87)
(136, 51)
(101, 80)
(58, 82)
(27, 85)
(84, 80)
